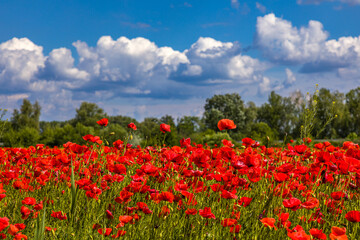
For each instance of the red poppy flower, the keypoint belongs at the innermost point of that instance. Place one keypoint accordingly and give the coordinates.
(226, 124)
(191, 211)
(25, 212)
(311, 203)
(20, 236)
(337, 195)
(164, 128)
(166, 196)
(300, 149)
(228, 195)
(125, 219)
(245, 201)
(247, 142)
(300, 235)
(292, 203)
(338, 233)
(59, 215)
(13, 229)
(132, 125)
(4, 222)
(119, 234)
(206, 213)
(109, 214)
(29, 201)
(235, 229)
(227, 143)
(103, 122)
(317, 234)
(269, 222)
(353, 216)
(228, 222)
(107, 231)
(2, 196)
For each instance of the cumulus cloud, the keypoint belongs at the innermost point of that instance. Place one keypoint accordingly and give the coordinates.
(20, 59)
(308, 46)
(216, 62)
(120, 68)
(128, 62)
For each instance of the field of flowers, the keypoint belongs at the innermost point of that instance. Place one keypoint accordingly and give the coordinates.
(189, 191)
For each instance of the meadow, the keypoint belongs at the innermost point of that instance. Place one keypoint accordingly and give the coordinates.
(190, 191)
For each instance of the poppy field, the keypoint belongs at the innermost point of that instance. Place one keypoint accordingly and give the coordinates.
(190, 191)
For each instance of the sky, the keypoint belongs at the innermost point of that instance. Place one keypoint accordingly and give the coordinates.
(143, 58)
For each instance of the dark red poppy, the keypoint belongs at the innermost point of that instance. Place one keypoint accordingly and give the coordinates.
(300, 149)
(224, 124)
(132, 126)
(29, 201)
(191, 211)
(292, 203)
(228, 222)
(245, 201)
(164, 128)
(318, 234)
(228, 195)
(4, 222)
(105, 232)
(353, 216)
(247, 142)
(103, 122)
(166, 196)
(59, 215)
(206, 213)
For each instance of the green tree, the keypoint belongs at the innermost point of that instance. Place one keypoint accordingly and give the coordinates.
(228, 106)
(88, 114)
(188, 125)
(280, 113)
(27, 116)
(122, 120)
(353, 106)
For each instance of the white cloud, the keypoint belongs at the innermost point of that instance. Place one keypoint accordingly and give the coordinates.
(61, 63)
(206, 47)
(20, 60)
(281, 42)
(132, 61)
(134, 68)
(245, 68)
(261, 7)
(290, 77)
(264, 86)
(216, 62)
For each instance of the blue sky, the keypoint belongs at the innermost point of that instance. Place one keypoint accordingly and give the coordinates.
(151, 58)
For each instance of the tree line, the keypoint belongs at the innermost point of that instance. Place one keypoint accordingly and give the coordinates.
(330, 115)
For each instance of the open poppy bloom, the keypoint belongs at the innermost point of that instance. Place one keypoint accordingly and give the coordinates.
(338, 233)
(132, 125)
(269, 222)
(353, 216)
(206, 213)
(164, 128)
(103, 122)
(224, 124)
